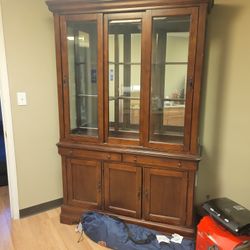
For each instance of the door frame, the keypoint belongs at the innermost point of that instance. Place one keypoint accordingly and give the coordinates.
(8, 128)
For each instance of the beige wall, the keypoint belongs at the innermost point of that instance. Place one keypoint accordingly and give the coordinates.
(225, 168)
(30, 52)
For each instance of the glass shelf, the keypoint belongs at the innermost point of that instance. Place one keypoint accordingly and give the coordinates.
(85, 95)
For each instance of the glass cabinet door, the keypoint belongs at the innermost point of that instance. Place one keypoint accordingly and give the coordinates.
(124, 75)
(82, 67)
(171, 70)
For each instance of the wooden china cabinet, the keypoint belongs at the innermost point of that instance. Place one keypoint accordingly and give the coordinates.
(129, 80)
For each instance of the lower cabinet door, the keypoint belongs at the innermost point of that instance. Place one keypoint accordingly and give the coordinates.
(165, 196)
(84, 183)
(122, 185)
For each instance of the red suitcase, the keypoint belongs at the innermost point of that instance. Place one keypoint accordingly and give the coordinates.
(212, 236)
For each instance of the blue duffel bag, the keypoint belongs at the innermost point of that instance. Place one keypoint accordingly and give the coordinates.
(118, 235)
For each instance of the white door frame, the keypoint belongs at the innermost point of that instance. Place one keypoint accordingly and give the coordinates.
(8, 128)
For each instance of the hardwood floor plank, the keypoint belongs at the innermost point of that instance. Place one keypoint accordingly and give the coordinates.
(5, 236)
(38, 232)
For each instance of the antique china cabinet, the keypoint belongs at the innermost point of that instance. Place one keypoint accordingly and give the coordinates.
(129, 80)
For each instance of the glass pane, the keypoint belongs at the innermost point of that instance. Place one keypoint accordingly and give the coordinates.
(170, 42)
(124, 77)
(82, 63)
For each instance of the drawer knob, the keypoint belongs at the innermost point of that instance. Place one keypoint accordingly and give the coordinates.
(179, 164)
(70, 152)
(135, 159)
(108, 156)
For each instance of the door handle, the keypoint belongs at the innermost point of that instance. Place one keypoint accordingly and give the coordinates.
(191, 83)
(65, 80)
(139, 195)
(99, 185)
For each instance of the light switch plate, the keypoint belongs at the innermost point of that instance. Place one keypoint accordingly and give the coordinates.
(21, 98)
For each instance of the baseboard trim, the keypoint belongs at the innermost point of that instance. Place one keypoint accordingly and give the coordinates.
(40, 208)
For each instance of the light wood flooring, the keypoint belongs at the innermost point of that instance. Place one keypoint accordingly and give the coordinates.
(38, 232)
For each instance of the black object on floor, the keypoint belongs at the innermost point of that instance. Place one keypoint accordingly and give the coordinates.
(233, 216)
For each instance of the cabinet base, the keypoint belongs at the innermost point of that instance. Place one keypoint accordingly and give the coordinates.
(71, 215)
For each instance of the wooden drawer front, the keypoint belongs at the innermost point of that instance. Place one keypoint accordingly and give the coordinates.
(122, 184)
(165, 195)
(90, 154)
(84, 183)
(155, 161)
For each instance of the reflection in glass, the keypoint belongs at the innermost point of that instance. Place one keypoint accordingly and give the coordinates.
(170, 40)
(124, 77)
(82, 63)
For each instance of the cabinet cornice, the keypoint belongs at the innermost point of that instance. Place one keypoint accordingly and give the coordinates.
(87, 6)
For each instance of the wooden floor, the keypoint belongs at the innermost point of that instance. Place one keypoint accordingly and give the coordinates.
(39, 232)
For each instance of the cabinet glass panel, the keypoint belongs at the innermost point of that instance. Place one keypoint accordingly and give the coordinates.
(124, 65)
(170, 42)
(82, 63)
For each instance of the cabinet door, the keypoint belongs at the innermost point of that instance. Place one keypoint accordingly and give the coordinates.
(84, 183)
(123, 60)
(171, 54)
(122, 185)
(81, 37)
(165, 195)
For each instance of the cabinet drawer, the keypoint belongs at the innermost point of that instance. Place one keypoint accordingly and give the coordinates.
(156, 161)
(90, 154)
(149, 160)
